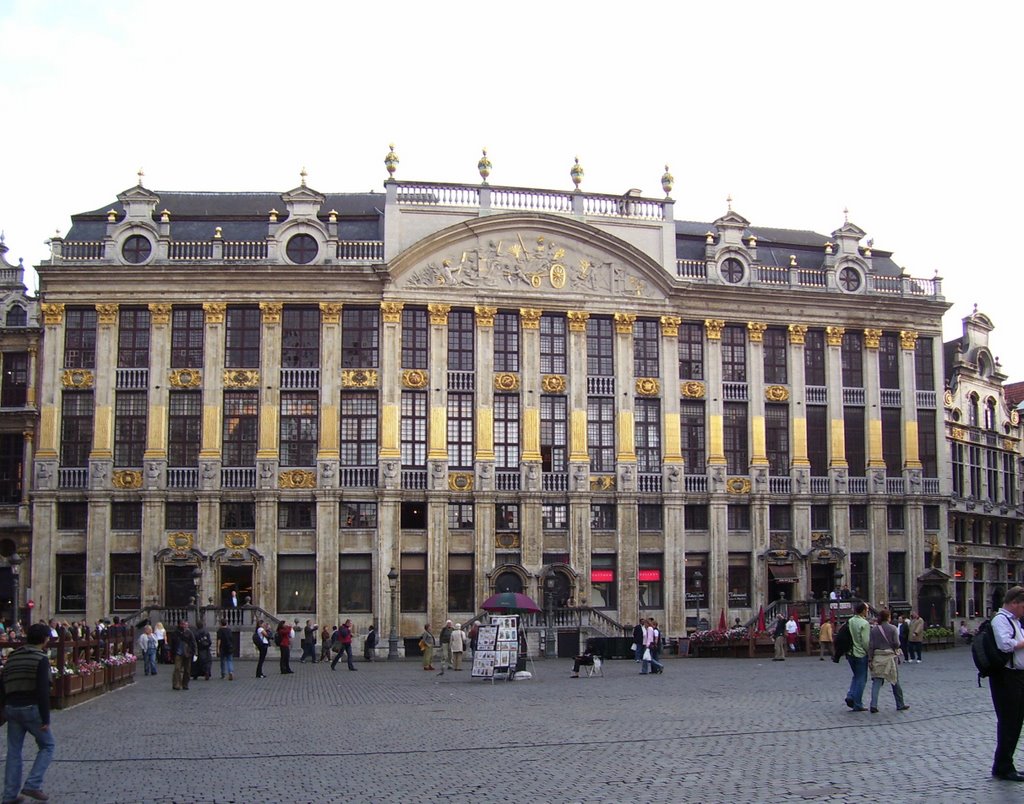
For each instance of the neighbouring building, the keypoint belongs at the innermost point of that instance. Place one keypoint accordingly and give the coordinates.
(482, 388)
(984, 436)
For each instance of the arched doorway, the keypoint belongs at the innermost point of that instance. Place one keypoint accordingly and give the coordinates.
(932, 605)
(508, 581)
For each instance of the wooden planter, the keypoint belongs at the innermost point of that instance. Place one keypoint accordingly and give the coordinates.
(72, 685)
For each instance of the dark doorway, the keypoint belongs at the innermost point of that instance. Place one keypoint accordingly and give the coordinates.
(179, 588)
(780, 589)
(823, 580)
(236, 578)
(568, 644)
(508, 582)
(561, 592)
(932, 605)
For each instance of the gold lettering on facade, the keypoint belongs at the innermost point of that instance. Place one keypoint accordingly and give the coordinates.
(713, 328)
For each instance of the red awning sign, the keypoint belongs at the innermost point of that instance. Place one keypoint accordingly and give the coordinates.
(648, 575)
(602, 576)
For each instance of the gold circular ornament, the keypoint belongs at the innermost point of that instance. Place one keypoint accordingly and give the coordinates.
(776, 393)
(647, 386)
(557, 276)
(415, 378)
(506, 382)
(692, 389)
(1014, 418)
(460, 481)
(127, 479)
(738, 485)
(947, 399)
(552, 383)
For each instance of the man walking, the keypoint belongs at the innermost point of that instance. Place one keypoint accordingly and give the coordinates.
(915, 637)
(25, 699)
(780, 639)
(638, 641)
(225, 649)
(308, 642)
(284, 642)
(860, 632)
(1006, 685)
(344, 637)
(445, 638)
(262, 642)
(183, 649)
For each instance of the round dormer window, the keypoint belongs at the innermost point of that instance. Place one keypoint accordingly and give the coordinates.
(849, 279)
(302, 249)
(732, 271)
(136, 249)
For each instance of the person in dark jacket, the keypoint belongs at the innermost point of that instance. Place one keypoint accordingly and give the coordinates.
(25, 701)
(284, 639)
(780, 639)
(183, 648)
(638, 641)
(226, 650)
(201, 666)
(344, 637)
(369, 644)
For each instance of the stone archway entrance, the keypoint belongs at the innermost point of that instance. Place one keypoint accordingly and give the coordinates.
(508, 581)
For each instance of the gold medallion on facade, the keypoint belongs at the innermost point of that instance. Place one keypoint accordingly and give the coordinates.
(557, 276)
(602, 483)
(359, 378)
(415, 378)
(506, 381)
(504, 540)
(297, 479)
(958, 433)
(237, 540)
(647, 386)
(1014, 416)
(947, 401)
(460, 481)
(185, 378)
(738, 485)
(180, 542)
(77, 378)
(126, 479)
(692, 389)
(241, 378)
(776, 393)
(552, 384)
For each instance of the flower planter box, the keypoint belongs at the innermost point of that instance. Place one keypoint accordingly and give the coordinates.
(72, 685)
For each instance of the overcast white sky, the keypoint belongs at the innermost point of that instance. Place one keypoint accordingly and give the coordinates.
(906, 113)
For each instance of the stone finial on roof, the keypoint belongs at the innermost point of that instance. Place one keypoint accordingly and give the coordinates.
(576, 173)
(667, 180)
(391, 161)
(140, 174)
(728, 201)
(846, 215)
(302, 176)
(484, 166)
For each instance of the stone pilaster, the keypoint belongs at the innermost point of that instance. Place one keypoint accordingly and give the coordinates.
(836, 425)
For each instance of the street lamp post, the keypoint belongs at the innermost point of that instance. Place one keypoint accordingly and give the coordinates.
(197, 577)
(15, 562)
(549, 605)
(393, 635)
(698, 576)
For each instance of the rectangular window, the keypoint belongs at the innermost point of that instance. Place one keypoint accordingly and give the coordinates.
(72, 515)
(776, 367)
(992, 475)
(691, 421)
(780, 518)
(927, 443)
(414, 582)
(974, 465)
(506, 342)
(296, 515)
(859, 576)
(603, 581)
(460, 583)
(188, 331)
(602, 516)
(12, 458)
(650, 580)
(817, 439)
(601, 433)
(739, 580)
(892, 441)
(696, 517)
(460, 516)
(853, 432)
(647, 435)
(184, 427)
(734, 354)
(691, 352)
(959, 465)
(735, 438)
(821, 518)
(360, 337)
(506, 431)
(300, 427)
(600, 347)
(852, 358)
(554, 516)
(241, 427)
(76, 428)
(80, 337)
(646, 343)
(924, 364)
(776, 431)
(125, 581)
(696, 591)
(242, 333)
(897, 576)
(296, 583)
(415, 338)
(858, 517)
(355, 583)
(133, 337)
(460, 430)
(1009, 478)
(180, 515)
(894, 517)
(14, 384)
(814, 357)
(358, 515)
(461, 331)
(130, 412)
(358, 428)
(414, 515)
(300, 337)
(889, 361)
(126, 516)
(71, 582)
(553, 344)
(554, 434)
(932, 517)
(236, 515)
(738, 517)
(650, 517)
(414, 429)
(506, 516)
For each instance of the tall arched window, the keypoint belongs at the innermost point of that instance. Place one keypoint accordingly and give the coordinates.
(990, 414)
(17, 316)
(974, 411)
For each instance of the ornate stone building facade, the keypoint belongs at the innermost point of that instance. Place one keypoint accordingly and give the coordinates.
(482, 388)
(984, 437)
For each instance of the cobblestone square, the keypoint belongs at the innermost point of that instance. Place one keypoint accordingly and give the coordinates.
(709, 730)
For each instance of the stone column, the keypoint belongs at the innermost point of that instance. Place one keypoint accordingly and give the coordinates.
(213, 396)
(579, 457)
(327, 538)
(531, 530)
(674, 550)
(837, 465)
(913, 511)
(878, 499)
(155, 455)
(389, 526)
(483, 459)
(437, 460)
(755, 393)
(713, 374)
(625, 460)
(267, 454)
(798, 408)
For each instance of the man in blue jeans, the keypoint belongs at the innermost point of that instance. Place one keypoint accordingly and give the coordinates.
(25, 695)
(860, 632)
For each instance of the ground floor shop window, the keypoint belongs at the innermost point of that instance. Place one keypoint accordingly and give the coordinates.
(126, 582)
(414, 582)
(460, 583)
(696, 585)
(739, 580)
(71, 582)
(355, 583)
(650, 581)
(603, 584)
(296, 583)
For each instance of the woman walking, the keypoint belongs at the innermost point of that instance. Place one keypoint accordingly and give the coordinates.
(147, 647)
(883, 659)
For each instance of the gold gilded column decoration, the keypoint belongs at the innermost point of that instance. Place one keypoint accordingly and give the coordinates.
(577, 320)
(908, 339)
(670, 326)
(53, 314)
(797, 334)
(529, 317)
(215, 312)
(624, 323)
(106, 313)
(271, 312)
(391, 312)
(330, 312)
(756, 330)
(438, 314)
(485, 315)
(160, 313)
(713, 328)
(872, 338)
(834, 336)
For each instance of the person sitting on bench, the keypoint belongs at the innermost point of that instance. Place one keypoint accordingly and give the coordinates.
(586, 660)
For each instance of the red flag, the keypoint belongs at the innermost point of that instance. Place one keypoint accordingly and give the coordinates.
(760, 620)
(721, 621)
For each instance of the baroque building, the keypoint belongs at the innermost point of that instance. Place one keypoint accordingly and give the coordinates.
(984, 437)
(484, 388)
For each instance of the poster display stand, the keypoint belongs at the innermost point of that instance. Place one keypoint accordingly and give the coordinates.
(497, 648)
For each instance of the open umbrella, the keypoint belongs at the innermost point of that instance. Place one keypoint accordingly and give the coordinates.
(721, 621)
(509, 602)
(760, 620)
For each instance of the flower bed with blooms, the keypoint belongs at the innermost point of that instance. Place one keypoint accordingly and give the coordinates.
(718, 637)
(119, 659)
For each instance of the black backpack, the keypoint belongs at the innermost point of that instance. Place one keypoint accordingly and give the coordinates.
(277, 638)
(987, 656)
(256, 638)
(842, 643)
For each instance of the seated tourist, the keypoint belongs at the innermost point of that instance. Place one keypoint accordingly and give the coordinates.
(586, 660)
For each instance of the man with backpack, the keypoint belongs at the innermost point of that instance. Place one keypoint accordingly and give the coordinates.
(1007, 684)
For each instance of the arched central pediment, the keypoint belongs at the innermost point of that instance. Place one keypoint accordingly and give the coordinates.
(526, 256)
